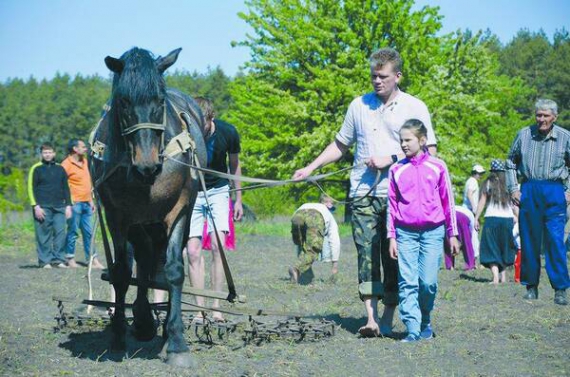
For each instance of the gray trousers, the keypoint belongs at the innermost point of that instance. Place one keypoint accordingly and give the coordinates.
(50, 236)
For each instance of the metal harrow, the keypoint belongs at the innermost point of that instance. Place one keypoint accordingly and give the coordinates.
(209, 331)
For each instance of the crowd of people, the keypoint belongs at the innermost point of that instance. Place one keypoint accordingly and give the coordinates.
(403, 211)
(405, 218)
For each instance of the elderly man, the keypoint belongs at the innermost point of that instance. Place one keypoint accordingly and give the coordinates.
(541, 154)
(372, 123)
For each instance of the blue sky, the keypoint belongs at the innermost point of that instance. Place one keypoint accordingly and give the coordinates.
(41, 37)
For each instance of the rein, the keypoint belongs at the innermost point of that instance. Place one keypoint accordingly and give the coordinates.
(263, 183)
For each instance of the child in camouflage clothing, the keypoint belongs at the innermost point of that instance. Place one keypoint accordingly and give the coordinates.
(315, 231)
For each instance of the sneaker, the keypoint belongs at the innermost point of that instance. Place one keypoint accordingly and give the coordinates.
(531, 292)
(46, 266)
(62, 265)
(411, 338)
(560, 297)
(427, 333)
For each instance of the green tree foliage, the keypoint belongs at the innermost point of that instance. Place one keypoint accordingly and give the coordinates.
(543, 66)
(213, 84)
(474, 109)
(310, 59)
(53, 111)
(33, 112)
(12, 189)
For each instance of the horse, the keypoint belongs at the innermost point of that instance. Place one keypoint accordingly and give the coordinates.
(148, 199)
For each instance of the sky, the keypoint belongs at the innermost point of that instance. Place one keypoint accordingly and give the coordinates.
(42, 37)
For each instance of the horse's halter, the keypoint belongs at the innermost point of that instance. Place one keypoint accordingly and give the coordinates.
(152, 126)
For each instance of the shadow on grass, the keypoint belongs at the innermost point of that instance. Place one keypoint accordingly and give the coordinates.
(306, 278)
(474, 278)
(352, 324)
(95, 345)
(29, 266)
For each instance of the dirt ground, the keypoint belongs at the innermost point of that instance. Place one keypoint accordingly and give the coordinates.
(482, 330)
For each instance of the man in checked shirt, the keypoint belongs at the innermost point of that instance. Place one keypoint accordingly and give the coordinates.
(541, 155)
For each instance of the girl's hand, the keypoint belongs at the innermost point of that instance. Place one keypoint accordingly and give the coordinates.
(393, 249)
(477, 225)
(454, 246)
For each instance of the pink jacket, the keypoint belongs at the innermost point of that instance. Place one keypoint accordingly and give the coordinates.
(420, 195)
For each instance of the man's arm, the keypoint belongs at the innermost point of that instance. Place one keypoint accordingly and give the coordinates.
(235, 169)
(471, 195)
(333, 152)
(32, 183)
(66, 193)
(385, 161)
(513, 159)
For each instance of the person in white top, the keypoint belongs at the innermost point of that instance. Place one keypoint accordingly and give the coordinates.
(372, 123)
(471, 201)
(315, 232)
(471, 191)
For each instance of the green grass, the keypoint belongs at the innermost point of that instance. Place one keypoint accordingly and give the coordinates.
(277, 227)
(17, 235)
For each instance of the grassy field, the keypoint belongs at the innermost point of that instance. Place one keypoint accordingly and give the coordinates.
(482, 330)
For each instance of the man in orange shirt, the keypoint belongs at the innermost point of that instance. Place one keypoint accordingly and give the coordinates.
(77, 170)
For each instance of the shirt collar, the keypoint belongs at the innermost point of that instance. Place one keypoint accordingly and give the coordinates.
(553, 134)
(416, 160)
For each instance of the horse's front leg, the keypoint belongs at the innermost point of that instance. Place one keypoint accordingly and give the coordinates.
(121, 274)
(144, 324)
(177, 351)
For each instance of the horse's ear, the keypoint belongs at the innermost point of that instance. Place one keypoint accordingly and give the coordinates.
(163, 63)
(114, 64)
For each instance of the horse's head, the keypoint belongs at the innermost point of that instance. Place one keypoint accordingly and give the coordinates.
(139, 107)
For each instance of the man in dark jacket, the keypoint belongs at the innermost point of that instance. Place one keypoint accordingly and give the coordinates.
(51, 204)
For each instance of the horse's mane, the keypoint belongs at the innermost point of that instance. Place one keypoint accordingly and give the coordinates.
(139, 80)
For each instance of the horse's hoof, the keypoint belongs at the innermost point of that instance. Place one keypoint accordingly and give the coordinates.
(118, 345)
(181, 360)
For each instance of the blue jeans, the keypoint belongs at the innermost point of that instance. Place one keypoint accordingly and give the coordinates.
(419, 258)
(542, 219)
(81, 218)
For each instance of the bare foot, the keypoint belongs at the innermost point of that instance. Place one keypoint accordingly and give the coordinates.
(96, 264)
(198, 319)
(217, 316)
(71, 263)
(293, 275)
(369, 331)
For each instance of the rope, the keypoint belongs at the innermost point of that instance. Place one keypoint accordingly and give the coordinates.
(267, 182)
(263, 183)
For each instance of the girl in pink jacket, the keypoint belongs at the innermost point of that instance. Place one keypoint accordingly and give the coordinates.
(420, 214)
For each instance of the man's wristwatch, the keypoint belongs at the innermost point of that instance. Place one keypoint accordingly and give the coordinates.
(394, 158)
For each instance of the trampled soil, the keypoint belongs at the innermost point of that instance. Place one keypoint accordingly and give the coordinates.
(482, 330)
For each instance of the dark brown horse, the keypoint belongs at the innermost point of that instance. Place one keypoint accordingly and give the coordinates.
(147, 198)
